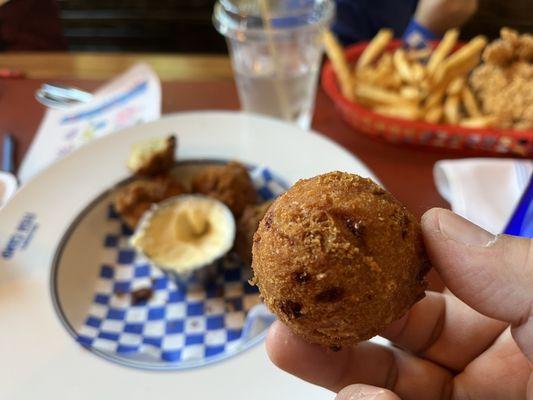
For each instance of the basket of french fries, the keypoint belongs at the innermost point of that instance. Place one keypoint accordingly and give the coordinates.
(475, 96)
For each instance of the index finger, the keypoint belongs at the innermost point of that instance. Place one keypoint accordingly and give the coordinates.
(368, 363)
(445, 330)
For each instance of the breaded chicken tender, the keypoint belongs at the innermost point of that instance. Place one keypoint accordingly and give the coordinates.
(504, 83)
(337, 259)
(246, 227)
(152, 157)
(132, 200)
(229, 183)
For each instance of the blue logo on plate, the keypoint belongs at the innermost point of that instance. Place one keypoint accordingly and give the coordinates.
(23, 235)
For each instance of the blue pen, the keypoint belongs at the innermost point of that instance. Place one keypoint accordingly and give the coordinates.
(521, 222)
(8, 154)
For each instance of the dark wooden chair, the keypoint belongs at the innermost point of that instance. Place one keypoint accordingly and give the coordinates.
(30, 25)
(140, 26)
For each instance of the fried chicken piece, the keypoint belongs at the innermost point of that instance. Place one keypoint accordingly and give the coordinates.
(152, 157)
(526, 122)
(488, 78)
(506, 93)
(246, 227)
(134, 199)
(525, 49)
(524, 125)
(337, 259)
(229, 183)
(510, 36)
(521, 69)
(499, 52)
(504, 83)
(509, 48)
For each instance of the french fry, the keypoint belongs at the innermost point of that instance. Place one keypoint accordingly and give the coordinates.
(434, 99)
(391, 83)
(383, 74)
(443, 49)
(434, 114)
(451, 109)
(470, 103)
(418, 72)
(399, 84)
(374, 48)
(460, 62)
(375, 95)
(402, 66)
(410, 112)
(410, 93)
(425, 86)
(479, 122)
(455, 87)
(340, 65)
(418, 54)
(385, 66)
(368, 76)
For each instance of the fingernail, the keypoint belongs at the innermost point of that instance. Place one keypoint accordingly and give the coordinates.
(362, 392)
(456, 228)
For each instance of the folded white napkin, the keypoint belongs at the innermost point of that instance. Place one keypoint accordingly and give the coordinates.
(483, 190)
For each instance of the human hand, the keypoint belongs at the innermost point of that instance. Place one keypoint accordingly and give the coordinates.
(474, 341)
(440, 15)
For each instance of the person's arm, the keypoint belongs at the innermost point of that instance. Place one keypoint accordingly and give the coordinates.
(440, 15)
(433, 18)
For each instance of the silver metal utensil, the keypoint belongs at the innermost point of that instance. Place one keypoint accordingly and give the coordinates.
(61, 96)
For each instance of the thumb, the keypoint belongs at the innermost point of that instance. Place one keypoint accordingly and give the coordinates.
(365, 392)
(492, 274)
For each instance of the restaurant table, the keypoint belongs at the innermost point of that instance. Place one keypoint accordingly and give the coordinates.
(206, 83)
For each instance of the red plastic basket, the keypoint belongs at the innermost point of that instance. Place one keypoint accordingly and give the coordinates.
(420, 133)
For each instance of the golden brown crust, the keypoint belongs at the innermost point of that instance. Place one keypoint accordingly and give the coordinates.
(159, 163)
(337, 258)
(246, 227)
(499, 53)
(229, 183)
(504, 83)
(134, 199)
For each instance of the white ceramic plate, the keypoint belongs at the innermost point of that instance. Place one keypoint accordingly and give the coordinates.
(40, 359)
(8, 187)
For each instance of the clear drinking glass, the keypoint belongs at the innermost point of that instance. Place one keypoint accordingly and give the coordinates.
(276, 50)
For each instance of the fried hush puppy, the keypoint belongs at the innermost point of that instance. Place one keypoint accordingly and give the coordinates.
(229, 183)
(337, 259)
(246, 227)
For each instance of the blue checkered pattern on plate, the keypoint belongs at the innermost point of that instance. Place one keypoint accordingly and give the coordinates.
(140, 311)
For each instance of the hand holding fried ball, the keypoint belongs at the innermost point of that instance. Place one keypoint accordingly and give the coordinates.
(337, 258)
(476, 343)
